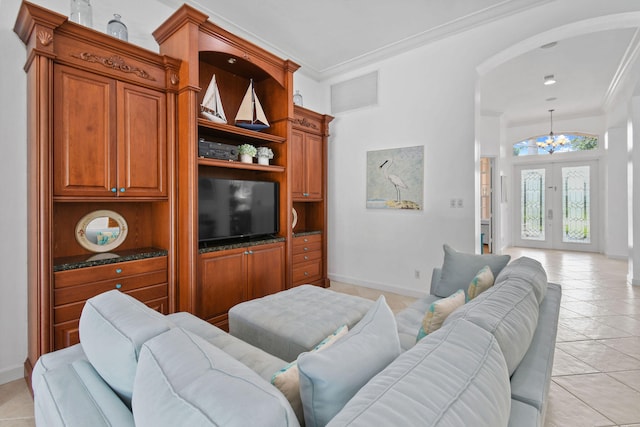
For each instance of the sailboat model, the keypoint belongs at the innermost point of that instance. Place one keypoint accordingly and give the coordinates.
(251, 115)
(211, 107)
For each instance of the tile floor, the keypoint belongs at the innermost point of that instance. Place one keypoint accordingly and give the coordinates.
(596, 374)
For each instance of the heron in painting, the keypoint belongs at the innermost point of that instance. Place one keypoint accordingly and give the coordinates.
(394, 179)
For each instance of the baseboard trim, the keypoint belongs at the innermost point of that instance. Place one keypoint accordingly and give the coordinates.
(11, 374)
(379, 286)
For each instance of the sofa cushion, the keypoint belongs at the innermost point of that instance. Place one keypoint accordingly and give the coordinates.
(458, 269)
(259, 361)
(329, 378)
(73, 394)
(287, 379)
(509, 312)
(113, 327)
(182, 380)
(481, 282)
(409, 320)
(438, 312)
(527, 270)
(456, 376)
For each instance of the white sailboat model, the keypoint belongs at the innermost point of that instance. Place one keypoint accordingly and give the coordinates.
(211, 107)
(251, 115)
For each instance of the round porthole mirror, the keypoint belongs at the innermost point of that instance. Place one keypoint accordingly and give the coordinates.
(101, 231)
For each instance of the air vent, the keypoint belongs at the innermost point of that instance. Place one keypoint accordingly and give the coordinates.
(355, 93)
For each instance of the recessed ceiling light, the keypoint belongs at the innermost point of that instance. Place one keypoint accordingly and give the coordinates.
(553, 98)
(549, 80)
(548, 45)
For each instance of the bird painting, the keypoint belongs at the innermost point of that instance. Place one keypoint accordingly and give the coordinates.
(394, 179)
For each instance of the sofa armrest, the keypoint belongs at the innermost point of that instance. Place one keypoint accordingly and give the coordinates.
(531, 380)
(435, 278)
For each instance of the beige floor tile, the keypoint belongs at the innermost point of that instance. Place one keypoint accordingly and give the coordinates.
(605, 394)
(600, 356)
(15, 400)
(592, 328)
(566, 410)
(624, 323)
(20, 422)
(629, 345)
(630, 378)
(566, 364)
(585, 308)
(567, 334)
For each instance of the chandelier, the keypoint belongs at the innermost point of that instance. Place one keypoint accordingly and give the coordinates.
(552, 143)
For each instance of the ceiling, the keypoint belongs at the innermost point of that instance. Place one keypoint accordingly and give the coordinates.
(333, 36)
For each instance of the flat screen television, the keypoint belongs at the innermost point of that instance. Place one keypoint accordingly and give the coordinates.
(232, 209)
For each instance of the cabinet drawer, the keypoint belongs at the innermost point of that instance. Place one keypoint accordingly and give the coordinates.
(306, 256)
(307, 272)
(67, 333)
(111, 271)
(306, 244)
(66, 312)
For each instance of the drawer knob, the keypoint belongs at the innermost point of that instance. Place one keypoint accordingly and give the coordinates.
(306, 257)
(118, 270)
(122, 190)
(306, 249)
(306, 273)
(306, 240)
(118, 285)
(114, 190)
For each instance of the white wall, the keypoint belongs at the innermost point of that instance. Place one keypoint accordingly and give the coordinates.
(426, 97)
(13, 246)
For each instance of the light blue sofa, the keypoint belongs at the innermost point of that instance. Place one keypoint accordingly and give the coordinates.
(489, 365)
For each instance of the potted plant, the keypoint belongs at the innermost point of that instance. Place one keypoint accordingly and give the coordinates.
(247, 153)
(264, 154)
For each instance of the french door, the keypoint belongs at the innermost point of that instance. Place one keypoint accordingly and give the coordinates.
(557, 206)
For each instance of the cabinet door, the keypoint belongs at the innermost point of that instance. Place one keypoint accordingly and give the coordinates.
(84, 155)
(142, 143)
(297, 165)
(265, 273)
(222, 283)
(313, 166)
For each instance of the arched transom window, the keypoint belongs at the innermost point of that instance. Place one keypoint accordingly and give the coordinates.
(543, 144)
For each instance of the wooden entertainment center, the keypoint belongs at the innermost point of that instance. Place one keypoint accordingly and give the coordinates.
(115, 127)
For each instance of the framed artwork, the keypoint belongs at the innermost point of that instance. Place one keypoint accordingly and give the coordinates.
(395, 178)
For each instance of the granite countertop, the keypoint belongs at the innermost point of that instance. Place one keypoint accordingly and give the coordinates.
(307, 233)
(217, 246)
(92, 260)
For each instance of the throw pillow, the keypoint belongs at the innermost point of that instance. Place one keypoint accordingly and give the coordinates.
(329, 378)
(459, 268)
(480, 283)
(113, 327)
(287, 379)
(438, 312)
(183, 380)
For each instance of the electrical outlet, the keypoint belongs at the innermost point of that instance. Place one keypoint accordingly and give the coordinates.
(452, 203)
(459, 203)
(417, 274)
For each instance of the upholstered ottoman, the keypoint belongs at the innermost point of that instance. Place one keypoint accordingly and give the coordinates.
(296, 320)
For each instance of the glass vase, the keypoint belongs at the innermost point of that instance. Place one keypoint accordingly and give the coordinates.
(81, 12)
(117, 29)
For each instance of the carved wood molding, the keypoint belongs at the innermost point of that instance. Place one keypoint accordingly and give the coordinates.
(174, 79)
(45, 37)
(115, 62)
(306, 123)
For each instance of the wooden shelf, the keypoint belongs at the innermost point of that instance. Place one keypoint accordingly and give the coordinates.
(230, 164)
(240, 132)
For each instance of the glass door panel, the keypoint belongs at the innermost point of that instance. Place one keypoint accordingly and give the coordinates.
(532, 204)
(557, 208)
